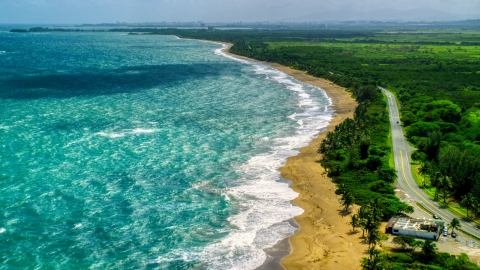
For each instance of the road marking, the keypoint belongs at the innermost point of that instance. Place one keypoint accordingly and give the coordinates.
(453, 209)
(408, 183)
(405, 176)
(434, 207)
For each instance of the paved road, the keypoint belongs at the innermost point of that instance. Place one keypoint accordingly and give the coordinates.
(405, 180)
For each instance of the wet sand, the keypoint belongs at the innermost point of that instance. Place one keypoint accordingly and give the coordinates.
(324, 239)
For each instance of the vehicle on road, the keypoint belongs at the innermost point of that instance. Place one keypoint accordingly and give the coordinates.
(405, 180)
(454, 235)
(435, 216)
(445, 232)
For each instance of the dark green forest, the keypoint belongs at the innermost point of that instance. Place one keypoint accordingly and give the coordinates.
(436, 78)
(435, 75)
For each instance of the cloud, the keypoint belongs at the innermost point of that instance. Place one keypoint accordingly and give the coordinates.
(68, 11)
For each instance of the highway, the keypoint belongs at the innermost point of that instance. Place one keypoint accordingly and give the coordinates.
(405, 180)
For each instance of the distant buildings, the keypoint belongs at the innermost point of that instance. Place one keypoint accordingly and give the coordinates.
(421, 228)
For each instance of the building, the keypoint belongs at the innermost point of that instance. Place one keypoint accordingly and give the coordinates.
(420, 228)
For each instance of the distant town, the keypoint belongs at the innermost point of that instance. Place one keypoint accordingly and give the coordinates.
(266, 25)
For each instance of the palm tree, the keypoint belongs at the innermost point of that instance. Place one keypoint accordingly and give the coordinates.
(360, 112)
(363, 224)
(373, 261)
(468, 201)
(352, 156)
(354, 222)
(429, 249)
(476, 208)
(370, 224)
(347, 200)
(444, 187)
(327, 143)
(424, 170)
(374, 210)
(415, 244)
(373, 237)
(445, 192)
(364, 213)
(455, 224)
(435, 182)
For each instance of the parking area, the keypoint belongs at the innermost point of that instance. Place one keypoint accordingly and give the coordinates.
(460, 244)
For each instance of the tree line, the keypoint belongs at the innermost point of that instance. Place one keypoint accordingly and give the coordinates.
(437, 97)
(435, 110)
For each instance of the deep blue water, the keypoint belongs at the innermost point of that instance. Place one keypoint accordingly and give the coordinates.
(120, 151)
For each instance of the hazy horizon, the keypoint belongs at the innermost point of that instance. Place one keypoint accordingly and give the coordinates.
(101, 11)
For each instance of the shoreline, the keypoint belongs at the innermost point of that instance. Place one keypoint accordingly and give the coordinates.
(323, 239)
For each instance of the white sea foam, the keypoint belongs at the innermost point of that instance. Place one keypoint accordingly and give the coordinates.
(221, 52)
(264, 200)
(2, 230)
(111, 134)
(126, 132)
(142, 130)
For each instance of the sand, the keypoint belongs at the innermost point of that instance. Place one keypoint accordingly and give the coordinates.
(324, 239)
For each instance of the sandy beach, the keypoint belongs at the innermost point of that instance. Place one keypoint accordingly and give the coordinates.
(324, 239)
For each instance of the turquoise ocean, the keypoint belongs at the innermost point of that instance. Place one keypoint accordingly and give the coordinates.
(145, 152)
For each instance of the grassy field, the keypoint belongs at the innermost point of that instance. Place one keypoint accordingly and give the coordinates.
(445, 68)
(380, 53)
(436, 78)
(435, 75)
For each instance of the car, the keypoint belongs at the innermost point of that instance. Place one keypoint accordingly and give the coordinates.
(435, 216)
(445, 232)
(454, 235)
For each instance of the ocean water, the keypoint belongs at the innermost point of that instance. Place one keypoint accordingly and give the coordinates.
(150, 152)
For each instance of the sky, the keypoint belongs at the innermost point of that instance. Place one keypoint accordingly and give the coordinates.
(99, 11)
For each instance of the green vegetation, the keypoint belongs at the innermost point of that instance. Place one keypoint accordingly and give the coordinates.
(434, 74)
(347, 200)
(356, 155)
(405, 242)
(455, 224)
(405, 257)
(436, 78)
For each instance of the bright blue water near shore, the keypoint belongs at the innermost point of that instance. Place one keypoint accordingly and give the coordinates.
(123, 151)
